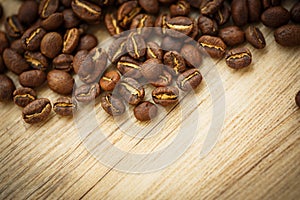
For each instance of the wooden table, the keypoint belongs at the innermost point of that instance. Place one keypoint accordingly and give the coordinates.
(257, 155)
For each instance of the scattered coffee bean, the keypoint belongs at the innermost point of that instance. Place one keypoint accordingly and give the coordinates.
(32, 38)
(295, 13)
(13, 26)
(112, 105)
(87, 42)
(297, 99)
(192, 55)
(28, 12)
(141, 23)
(181, 8)
(145, 111)
(65, 106)
(151, 69)
(48, 7)
(60, 82)
(288, 35)
(238, 58)
(23, 96)
(255, 37)
(32, 78)
(117, 49)
(78, 60)
(37, 111)
(7, 88)
(189, 80)
(154, 51)
(17, 46)
(175, 62)
(165, 96)
(87, 93)
(36, 60)
(150, 6)
(163, 80)
(131, 91)
(179, 24)
(63, 62)
(71, 39)
(53, 22)
(208, 7)
(223, 14)
(239, 12)
(14, 61)
(214, 46)
(232, 35)
(270, 16)
(112, 25)
(51, 44)
(136, 46)
(161, 23)
(129, 67)
(254, 10)
(109, 80)
(207, 26)
(70, 20)
(87, 11)
(126, 12)
(4, 42)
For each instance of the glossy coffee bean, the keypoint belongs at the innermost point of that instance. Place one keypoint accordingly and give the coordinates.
(109, 80)
(165, 96)
(270, 16)
(32, 38)
(65, 106)
(163, 80)
(214, 46)
(181, 8)
(131, 91)
(179, 24)
(129, 67)
(238, 58)
(223, 14)
(14, 61)
(208, 7)
(60, 82)
(126, 12)
(189, 80)
(112, 105)
(192, 55)
(7, 88)
(37, 111)
(78, 60)
(295, 12)
(24, 96)
(288, 35)
(112, 25)
(4, 42)
(32, 78)
(151, 69)
(141, 23)
(36, 60)
(136, 46)
(70, 20)
(239, 12)
(154, 51)
(63, 62)
(254, 10)
(13, 26)
(117, 49)
(48, 7)
(175, 62)
(28, 12)
(207, 25)
(255, 37)
(53, 22)
(145, 111)
(17, 46)
(51, 44)
(161, 23)
(87, 92)
(71, 40)
(87, 11)
(232, 35)
(150, 6)
(87, 42)
(297, 99)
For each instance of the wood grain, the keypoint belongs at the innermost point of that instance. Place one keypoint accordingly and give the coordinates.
(257, 155)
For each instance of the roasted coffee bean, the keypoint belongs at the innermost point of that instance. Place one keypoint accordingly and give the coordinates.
(24, 96)
(239, 12)
(65, 106)
(87, 11)
(13, 26)
(164, 79)
(129, 67)
(208, 7)
(87, 93)
(17, 46)
(181, 8)
(32, 38)
(172, 44)
(165, 96)
(145, 111)
(36, 60)
(32, 78)
(79, 59)
(66, 3)
(238, 58)
(175, 62)
(37, 111)
(255, 37)
(4, 42)
(2, 65)
(297, 99)
(112, 105)
(232, 35)
(270, 16)
(131, 91)
(70, 19)
(112, 25)
(1, 10)
(7, 88)
(63, 62)
(87, 42)
(71, 39)
(270, 3)
(161, 23)
(154, 51)
(48, 7)
(179, 24)
(151, 69)
(14, 61)
(223, 14)
(117, 49)
(207, 25)
(53, 22)
(28, 12)
(126, 12)
(135, 46)
(295, 12)
(142, 22)
(254, 10)
(214, 46)
(109, 80)
(93, 66)
(51, 44)
(60, 82)
(288, 35)
(192, 55)
(189, 80)
(150, 6)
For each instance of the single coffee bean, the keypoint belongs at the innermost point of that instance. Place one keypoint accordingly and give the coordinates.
(151, 69)
(214, 46)
(126, 12)
(129, 67)
(232, 35)
(37, 111)
(239, 12)
(7, 88)
(112, 25)
(32, 78)
(71, 40)
(51, 44)
(161, 23)
(270, 3)
(172, 44)
(112, 105)
(175, 62)
(36, 60)
(63, 62)
(2, 65)
(65, 106)
(131, 91)
(295, 12)
(208, 7)
(141, 23)
(13, 26)
(179, 24)
(4, 42)
(254, 10)
(189, 80)
(297, 99)
(60, 82)
(87, 11)
(270, 16)
(145, 111)
(150, 6)
(154, 51)
(136, 46)
(163, 80)
(87, 92)
(255, 37)
(238, 58)
(288, 35)
(87, 42)
(14, 61)
(66, 3)
(53, 22)
(48, 7)
(70, 20)
(192, 55)
(24, 96)
(79, 59)
(32, 38)
(17, 46)
(28, 12)
(165, 96)
(223, 14)
(181, 8)
(117, 49)
(207, 26)
(109, 80)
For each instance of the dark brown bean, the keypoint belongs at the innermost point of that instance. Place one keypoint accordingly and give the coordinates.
(65, 106)
(214, 46)
(141, 23)
(36, 60)
(87, 42)
(181, 8)
(131, 91)
(166, 1)
(60, 82)
(207, 26)
(239, 12)
(117, 49)
(129, 67)
(179, 24)
(208, 7)
(70, 19)
(66, 3)
(254, 10)
(37, 111)
(51, 44)
(238, 58)
(297, 99)
(172, 44)
(150, 6)
(17, 46)
(192, 55)
(13, 26)
(4, 42)
(270, 3)
(223, 14)
(161, 23)
(136, 46)
(270, 16)
(14, 61)
(63, 62)
(112, 105)
(53, 22)
(109, 80)
(24, 96)
(112, 25)
(189, 80)
(165, 96)
(7, 88)
(32, 78)
(151, 69)
(87, 11)
(163, 80)
(32, 38)
(154, 51)
(195, 31)
(255, 37)
(175, 62)
(295, 12)
(288, 35)
(28, 12)
(145, 111)
(232, 35)
(48, 7)
(79, 59)
(71, 39)
(126, 12)
(2, 65)
(87, 93)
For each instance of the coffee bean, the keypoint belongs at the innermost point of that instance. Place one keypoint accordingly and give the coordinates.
(36, 60)
(208, 7)
(165, 96)
(17, 46)
(172, 44)
(164, 79)
(66, 3)
(37, 111)
(87, 42)
(71, 39)
(7, 88)
(65, 106)
(141, 23)
(238, 58)
(195, 31)
(255, 37)
(79, 59)
(109, 80)
(51, 44)
(32, 38)
(192, 55)
(166, 1)
(131, 91)
(270, 16)
(214, 46)
(150, 6)
(4, 42)
(117, 49)
(295, 12)
(112, 105)
(151, 69)
(14, 61)
(297, 99)
(145, 111)
(223, 14)
(60, 82)
(2, 65)
(180, 24)
(48, 7)
(239, 11)
(28, 12)
(154, 51)
(232, 35)
(288, 35)
(270, 3)
(112, 25)
(175, 62)
(161, 23)
(181, 8)
(126, 12)
(24, 96)
(87, 11)
(87, 92)
(136, 46)
(254, 10)
(63, 62)
(189, 80)
(70, 20)
(207, 26)
(13, 26)
(32, 78)
(53, 22)
(129, 67)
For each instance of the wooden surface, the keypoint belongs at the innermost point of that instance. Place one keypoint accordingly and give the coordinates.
(257, 155)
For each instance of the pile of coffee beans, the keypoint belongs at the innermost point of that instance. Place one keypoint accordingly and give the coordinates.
(48, 41)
